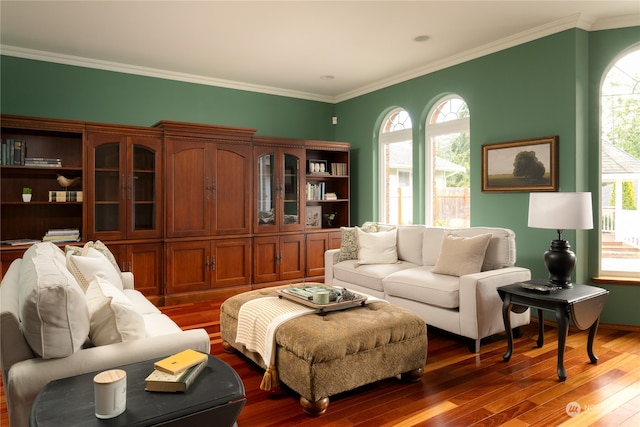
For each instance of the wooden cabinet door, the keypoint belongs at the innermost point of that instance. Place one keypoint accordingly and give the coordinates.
(144, 188)
(232, 189)
(292, 258)
(266, 258)
(317, 244)
(106, 187)
(292, 194)
(144, 260)
(335, 240)
(231, 262)
(188, 187)
(188, 266)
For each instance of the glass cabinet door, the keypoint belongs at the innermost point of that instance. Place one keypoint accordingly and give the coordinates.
(291, 190)
(107, 187)
(142, 190)
(266, 190)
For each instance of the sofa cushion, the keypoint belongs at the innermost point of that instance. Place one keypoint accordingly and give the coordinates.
(53, 309)
(501, 252)
(97, 245)
(90, 264)
(422, 285)
(410, 243)
(377, 248)
(431, 244)
(462, 255)
(368, 275)
(113, 316)
(349, 240)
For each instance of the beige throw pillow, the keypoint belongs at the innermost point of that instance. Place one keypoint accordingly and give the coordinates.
(53, 310)
(462, 255)
(113, 316)
(377, 248)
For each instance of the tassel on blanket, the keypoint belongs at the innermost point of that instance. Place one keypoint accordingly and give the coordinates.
(270, 379)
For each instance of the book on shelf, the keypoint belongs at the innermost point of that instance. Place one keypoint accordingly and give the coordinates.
(62, 235)
(13, 152)
(162, 381)
(331, 196)
(339, 169)
(43, 162)
(180, 362)
(20, 242)
(65, 196)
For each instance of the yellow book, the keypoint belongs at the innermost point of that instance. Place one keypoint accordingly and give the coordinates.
(180, 362)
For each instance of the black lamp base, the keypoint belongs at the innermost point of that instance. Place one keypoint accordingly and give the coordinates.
(560, 261)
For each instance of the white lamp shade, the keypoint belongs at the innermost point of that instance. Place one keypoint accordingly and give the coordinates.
(560, 211)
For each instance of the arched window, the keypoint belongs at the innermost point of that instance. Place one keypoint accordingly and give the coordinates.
(396, 168)
(447, 163)
(620, 168)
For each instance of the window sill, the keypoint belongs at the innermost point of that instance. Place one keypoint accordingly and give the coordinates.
(614, 280)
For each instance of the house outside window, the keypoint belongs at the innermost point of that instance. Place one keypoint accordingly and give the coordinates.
(448, 163)
(396, 168)
(620, 168)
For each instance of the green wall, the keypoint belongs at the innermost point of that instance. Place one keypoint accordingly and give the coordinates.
(545, 87)
(43, 89)
(540, 88)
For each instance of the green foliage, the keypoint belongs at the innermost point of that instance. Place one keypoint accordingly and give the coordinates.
(526, 164)
(628, 196)
(458, 152)
(26, 190)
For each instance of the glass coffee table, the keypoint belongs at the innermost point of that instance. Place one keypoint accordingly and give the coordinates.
(216, 397)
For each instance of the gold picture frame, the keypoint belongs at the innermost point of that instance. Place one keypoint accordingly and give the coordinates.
(521, 166)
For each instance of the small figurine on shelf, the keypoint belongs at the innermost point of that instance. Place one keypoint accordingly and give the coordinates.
(329, 218)
(26, 194)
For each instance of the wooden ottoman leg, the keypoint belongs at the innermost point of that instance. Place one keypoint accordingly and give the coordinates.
(316, 408)
(412, 376)
(228, 348)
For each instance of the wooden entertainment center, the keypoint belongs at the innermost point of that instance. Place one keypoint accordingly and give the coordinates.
(194, 211)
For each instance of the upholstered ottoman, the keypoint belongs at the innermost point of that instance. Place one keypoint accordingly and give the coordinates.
(318, 356)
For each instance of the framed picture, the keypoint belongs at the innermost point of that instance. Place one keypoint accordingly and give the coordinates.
(519, 166)
(314, 217)
(318, 167)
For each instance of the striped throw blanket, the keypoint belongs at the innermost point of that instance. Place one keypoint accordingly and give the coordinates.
(258, 321)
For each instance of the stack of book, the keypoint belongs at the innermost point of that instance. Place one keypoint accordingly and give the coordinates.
(177, 372)
(62, 235)
(339, 169)
(46, 162)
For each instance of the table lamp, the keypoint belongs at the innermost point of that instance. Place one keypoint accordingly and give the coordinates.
(560, 211)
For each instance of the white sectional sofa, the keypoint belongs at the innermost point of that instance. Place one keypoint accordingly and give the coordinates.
(446, 276)
(57, 324)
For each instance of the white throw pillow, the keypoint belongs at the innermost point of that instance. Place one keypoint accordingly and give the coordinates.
(377, 248)
(97, 245)
(461, 255)
(93, 263)
(113, 316)
(349, 240)
(53, 309)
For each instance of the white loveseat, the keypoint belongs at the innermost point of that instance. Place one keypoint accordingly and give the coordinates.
(48, 323)
(446, 276)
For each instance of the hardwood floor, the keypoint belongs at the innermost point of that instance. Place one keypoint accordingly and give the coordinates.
(459, 388)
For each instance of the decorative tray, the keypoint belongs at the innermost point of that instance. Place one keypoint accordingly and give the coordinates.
(339, 298)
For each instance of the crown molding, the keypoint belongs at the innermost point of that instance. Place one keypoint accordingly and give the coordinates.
(97, 64)
(581, 21)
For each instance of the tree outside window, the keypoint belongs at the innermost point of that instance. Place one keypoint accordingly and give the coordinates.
(620, 168)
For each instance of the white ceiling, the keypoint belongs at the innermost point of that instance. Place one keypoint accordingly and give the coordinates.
(284, 47)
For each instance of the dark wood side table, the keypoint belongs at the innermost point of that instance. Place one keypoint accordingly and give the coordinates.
(216, 397)
(580, 303)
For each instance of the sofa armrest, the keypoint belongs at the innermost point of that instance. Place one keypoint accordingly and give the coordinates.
(128, 280)
(480, 303)
(27, 378)
(330, 258)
